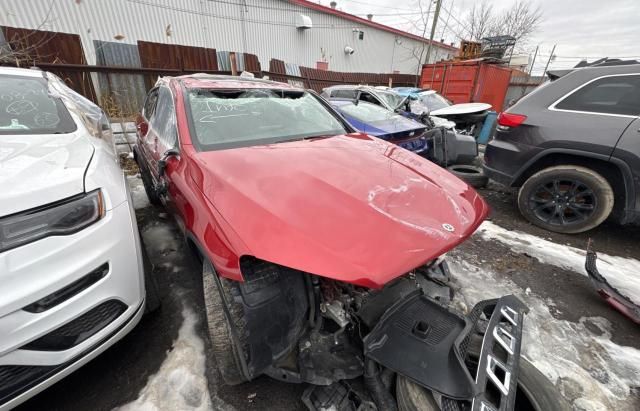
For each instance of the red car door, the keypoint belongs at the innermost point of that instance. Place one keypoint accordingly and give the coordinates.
(163, 147)
(147, 139)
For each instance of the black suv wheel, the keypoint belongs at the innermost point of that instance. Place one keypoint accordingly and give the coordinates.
(566, 199)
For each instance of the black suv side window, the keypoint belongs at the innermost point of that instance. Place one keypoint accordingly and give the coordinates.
(611, 95)
(163, 120)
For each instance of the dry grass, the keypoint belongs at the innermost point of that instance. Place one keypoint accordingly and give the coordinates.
(111, 107)
(128, 165)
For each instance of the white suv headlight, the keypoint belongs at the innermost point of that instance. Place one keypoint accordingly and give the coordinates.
(61, 218)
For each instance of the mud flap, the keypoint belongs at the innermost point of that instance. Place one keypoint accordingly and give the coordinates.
(425, 342)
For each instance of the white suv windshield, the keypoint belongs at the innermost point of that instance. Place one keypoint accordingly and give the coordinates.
(234, 118)
(391, 98)
(433, 101)
(27, 108)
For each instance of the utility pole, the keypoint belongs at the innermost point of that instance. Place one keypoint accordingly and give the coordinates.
(424, 31)
(549, 61)
(534, 60)
(433, 29)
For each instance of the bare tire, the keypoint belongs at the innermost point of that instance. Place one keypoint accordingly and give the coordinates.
(535, 392)
(219, 306)
(472, 175)
(566, 199)
(413, 397)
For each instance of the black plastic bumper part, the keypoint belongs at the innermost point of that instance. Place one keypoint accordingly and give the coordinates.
(425, 342)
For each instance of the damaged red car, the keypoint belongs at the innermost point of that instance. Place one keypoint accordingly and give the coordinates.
(322, 252)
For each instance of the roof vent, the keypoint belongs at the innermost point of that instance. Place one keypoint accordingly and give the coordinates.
(370, 17)
(303, 22)
(333, 4)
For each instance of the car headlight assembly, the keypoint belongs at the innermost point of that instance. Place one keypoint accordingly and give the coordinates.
(61, 218)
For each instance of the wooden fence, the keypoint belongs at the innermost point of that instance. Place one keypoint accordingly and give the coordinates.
(125, 72)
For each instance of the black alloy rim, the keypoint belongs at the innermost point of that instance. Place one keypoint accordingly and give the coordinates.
(563, 201)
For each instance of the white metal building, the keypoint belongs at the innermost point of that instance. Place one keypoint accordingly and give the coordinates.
(295, 31)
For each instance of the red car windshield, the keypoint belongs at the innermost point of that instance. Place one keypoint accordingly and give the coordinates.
(236, 118)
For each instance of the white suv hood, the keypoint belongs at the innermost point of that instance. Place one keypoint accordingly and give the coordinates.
(40, 169)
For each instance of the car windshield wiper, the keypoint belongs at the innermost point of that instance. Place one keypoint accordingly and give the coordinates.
(306, 138)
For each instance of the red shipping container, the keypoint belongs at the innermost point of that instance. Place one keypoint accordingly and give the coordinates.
(468, 81)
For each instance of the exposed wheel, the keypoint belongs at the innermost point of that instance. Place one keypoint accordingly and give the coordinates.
(535, 393)
(225, 351)
(472, 175)
(566, 199)
(148, 184)
(152, 298)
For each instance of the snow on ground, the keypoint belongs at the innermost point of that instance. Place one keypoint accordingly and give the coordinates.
(159, 236)
(180, 383)
(592, 372)
(622, 273)
(140, 199)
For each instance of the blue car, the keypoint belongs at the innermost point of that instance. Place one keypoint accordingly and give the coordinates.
(379, 122)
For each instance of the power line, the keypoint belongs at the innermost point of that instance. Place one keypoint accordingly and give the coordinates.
(246, 5)
(248, 20)
(377, 5)
(457, 33)
(463, 25)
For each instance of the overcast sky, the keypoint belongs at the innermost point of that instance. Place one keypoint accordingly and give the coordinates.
(580, 28)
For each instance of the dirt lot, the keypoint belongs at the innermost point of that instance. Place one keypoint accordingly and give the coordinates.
(590, 351)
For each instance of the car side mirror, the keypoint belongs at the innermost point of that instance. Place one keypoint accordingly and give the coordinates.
(162, 163)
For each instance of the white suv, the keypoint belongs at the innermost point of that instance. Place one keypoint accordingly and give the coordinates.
(71, 268)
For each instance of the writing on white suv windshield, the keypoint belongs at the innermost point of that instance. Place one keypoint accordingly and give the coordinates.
(27, 108)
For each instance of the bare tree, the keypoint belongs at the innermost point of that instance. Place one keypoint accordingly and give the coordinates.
(480, 20)
(419, 26)
(520, 21)
(19, 50)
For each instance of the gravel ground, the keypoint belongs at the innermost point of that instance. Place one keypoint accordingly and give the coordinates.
(169, 352)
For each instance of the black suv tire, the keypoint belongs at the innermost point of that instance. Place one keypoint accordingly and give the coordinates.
(566, 199)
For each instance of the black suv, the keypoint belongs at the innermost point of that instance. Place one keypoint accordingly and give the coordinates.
(572, 147)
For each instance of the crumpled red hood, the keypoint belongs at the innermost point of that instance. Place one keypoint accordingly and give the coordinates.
(352, 208)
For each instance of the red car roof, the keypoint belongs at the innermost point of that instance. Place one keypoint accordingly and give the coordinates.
(226, 82)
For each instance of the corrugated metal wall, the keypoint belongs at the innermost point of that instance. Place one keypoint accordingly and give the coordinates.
(265, 28)
(45, 46)
(492, 85)
(120, 94)
(467, 81)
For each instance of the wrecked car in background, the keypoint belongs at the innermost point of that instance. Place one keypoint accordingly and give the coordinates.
(379, 122)
(71, 269)
(445, 146)
(468, 117)
(322, 252)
